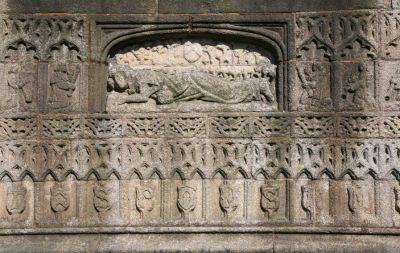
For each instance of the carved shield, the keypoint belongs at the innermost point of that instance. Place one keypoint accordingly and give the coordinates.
(227, 198)
(192, 52)
(355, 199)
(101, 198)
(16, 199)
(144, 199)
(186, 199)
(59, 199)
(269, 198)
(306, 198)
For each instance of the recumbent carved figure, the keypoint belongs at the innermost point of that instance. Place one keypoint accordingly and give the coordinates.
(182, 72)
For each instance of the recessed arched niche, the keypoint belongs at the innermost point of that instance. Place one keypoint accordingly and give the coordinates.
(191, 74)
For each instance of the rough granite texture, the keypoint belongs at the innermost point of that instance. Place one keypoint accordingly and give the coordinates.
(200, 126)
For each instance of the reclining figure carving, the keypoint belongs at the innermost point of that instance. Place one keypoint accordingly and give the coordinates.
(203, 72)
(167, 85)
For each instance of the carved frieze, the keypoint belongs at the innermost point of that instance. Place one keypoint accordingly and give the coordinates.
(212, 131)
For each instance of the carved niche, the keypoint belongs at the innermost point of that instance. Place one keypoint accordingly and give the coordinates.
(187, 75)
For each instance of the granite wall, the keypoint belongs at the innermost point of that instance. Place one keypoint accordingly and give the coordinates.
(167, 125)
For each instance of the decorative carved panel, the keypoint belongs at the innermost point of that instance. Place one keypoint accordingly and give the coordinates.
(191, 75)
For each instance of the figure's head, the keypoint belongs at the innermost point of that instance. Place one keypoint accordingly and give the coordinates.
(267, 71)
(61, 69)
(395, 82)
(118, 79)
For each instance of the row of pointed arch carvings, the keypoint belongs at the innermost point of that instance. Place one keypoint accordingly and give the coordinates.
(43, 39)
(177, 174)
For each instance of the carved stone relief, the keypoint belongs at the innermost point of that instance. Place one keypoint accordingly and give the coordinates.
(313, 83)
(201, 134)
(19, 78)
(358, 90)
(390, 84)
(191, 75)
(33, 44)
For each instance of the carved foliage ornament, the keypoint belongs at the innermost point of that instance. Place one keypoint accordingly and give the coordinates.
(205, 72)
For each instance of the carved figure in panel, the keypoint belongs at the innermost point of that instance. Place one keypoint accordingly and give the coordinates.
(63, 78)
(195, 73)
(390, 84)
(314, 86)
(358, 86)
(28, 40)
(20, 78)
(393, 93)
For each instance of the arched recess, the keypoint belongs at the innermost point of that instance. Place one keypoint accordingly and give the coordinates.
(265, 39)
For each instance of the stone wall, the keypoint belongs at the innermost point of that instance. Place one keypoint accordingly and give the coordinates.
(171, 125)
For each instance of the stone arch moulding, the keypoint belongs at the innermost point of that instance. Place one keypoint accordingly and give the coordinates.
(267, 38)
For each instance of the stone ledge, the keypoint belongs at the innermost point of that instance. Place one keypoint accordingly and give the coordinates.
(199, 243)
